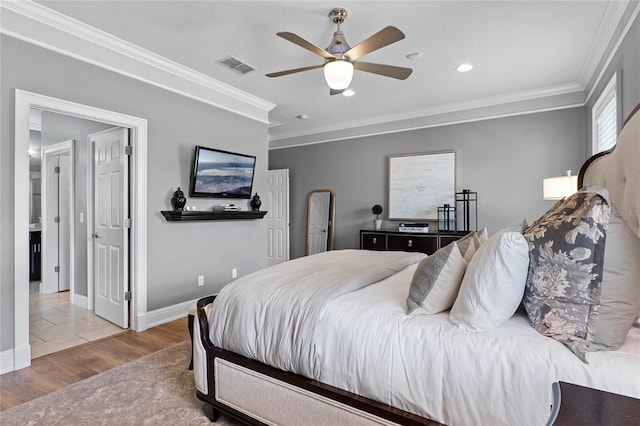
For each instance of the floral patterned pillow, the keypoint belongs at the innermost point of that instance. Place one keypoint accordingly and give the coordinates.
(566, 258)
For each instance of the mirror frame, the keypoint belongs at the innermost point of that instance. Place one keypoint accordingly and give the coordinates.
(332, 217)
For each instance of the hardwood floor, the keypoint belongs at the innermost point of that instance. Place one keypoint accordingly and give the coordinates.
(51, 372)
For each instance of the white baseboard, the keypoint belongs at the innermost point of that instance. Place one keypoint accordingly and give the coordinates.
(80, 301)
(169, 313)
(11, 359)
(6, 361)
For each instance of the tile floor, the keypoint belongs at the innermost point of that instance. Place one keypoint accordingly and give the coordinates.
(55, 324)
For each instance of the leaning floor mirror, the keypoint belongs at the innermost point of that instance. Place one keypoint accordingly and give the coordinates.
(321, 209)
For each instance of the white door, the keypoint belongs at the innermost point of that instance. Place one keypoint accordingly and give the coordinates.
(277, 205)
(57, 198)
(318, 215)
(110, 232)
(64, 222)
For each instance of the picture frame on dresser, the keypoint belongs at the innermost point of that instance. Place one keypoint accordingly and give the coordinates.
(419, 183)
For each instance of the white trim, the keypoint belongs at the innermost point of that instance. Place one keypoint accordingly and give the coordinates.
(6, 361)
(612, 53)
(89, 222)
(608, 93)
(24, 101)
(365, 134)
(606, 31)
(81, 301)
(493, 101)
(169, 313)
(44, 27)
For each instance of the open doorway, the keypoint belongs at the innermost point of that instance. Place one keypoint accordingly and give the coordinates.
(24, 102)
(61, 302)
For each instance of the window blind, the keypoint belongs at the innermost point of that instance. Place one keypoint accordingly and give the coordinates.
(606, 126)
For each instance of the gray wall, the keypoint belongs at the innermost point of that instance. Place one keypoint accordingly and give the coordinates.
(177, 252)
(59, 128)
(504, 160)
(626, 63)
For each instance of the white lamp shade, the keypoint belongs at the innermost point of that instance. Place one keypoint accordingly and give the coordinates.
(556, 188)
(338, 74)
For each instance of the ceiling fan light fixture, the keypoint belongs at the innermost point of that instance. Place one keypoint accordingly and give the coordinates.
(338, 74)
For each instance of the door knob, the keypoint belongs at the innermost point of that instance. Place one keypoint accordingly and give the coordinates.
(95, 235)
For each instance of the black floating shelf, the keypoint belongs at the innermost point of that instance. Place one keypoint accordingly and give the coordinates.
(183, 216)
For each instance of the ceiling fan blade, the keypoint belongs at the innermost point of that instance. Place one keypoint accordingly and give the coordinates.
(293, 71)
(382, 38)
(296, 39)
(336, 92)
(386, 70)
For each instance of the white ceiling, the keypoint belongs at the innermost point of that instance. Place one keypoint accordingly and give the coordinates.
(520, 49)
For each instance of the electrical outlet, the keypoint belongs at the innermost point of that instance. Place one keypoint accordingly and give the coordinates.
(234, 273)
(200, 280)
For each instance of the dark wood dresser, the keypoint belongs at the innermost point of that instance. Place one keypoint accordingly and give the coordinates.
(407, 241)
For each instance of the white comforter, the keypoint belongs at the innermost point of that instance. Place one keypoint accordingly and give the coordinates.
(265, 317)
(364, 342)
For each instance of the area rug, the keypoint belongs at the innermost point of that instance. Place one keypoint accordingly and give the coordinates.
(156, 389)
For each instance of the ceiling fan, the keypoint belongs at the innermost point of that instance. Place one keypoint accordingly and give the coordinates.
(341, 59)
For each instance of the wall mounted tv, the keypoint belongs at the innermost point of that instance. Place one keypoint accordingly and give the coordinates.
(221, 174)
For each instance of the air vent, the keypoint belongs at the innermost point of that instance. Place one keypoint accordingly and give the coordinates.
(236, 65)
(273, 123)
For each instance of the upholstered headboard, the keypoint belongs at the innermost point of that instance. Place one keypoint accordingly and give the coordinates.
(618, 171)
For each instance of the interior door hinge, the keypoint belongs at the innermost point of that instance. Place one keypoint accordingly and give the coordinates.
(56, 269)
(128, 150)
(56, 219)
(56, 169)
(127, 222)
(127, 296)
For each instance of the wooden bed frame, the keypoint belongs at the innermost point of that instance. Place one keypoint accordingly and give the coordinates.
(582, 408)
(214, 407)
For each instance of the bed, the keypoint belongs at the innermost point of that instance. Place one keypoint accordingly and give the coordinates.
(328, 340)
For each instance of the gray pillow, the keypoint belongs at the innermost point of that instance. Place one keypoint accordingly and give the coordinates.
(436, 281)
(620, 293)
(566, 262)
(467, 246)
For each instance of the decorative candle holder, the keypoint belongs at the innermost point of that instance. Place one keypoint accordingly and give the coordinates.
(446, 218)
(467, 207)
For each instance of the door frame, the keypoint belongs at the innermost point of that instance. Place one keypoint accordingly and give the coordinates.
(24, 101)
(47, 151)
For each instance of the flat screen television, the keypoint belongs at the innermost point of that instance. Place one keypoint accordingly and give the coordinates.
(221, 174)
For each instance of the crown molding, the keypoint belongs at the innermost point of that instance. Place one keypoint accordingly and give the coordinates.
(595, 80)
(549, 98)
(605, 34)
(39, 25)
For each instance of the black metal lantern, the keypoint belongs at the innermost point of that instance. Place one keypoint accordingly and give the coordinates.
(467, 207)
(446, 218)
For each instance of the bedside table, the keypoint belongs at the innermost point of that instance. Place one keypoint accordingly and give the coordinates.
(579, 405)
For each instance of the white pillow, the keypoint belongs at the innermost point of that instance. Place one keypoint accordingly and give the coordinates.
(436, 281)
(493, 284)
(482, 235)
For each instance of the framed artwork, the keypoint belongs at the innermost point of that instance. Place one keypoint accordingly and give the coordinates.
(420, 183)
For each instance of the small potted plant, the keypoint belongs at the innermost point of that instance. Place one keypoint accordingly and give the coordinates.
(377, 210)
